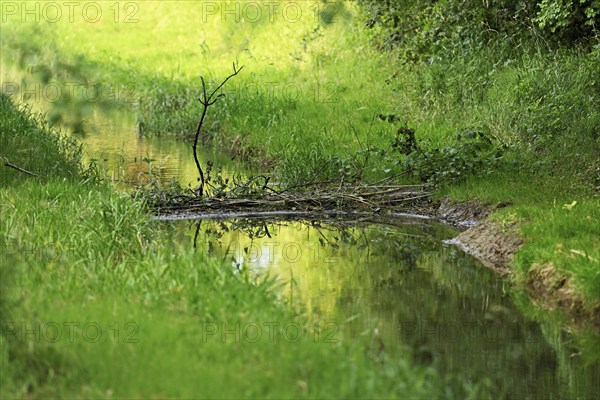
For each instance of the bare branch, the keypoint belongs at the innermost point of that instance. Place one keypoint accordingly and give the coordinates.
(235, 72)
(203, 88)
(206, 102)
(13, 166)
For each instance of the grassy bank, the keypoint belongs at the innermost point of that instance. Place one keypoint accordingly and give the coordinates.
(497, 116)
(95, 303)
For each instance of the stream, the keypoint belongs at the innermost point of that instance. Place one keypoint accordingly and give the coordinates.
(393, 284)
(129, 158)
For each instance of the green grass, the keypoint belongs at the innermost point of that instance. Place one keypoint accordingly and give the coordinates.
(78, 257)
(565, 237)
(306, 101)
(58, 155)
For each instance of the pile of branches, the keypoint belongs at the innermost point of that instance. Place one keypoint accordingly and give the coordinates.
(363, 198)
(219, 196)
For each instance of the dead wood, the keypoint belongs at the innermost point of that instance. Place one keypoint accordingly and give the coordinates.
(207, 100)
(23, 170)
(355, 198)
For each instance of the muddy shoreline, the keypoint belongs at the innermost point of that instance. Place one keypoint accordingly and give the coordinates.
(495, 246)
(491, 244)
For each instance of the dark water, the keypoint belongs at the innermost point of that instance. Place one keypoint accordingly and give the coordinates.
(400, 286)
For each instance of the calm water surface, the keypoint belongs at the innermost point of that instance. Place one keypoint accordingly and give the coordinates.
(109, 136)
(113, 141)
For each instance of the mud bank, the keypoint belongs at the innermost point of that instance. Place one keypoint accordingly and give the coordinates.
(495, 246)
(552, 290)
(492, 244)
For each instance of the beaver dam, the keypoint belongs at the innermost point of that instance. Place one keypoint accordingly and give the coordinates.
(343, 199)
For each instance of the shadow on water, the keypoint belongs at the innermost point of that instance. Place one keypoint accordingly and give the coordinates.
(399, 286)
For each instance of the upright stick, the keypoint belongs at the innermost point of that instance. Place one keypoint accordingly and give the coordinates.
(207, 101)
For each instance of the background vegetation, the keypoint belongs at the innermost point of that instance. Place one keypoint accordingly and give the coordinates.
(495, 101)
(524, 78)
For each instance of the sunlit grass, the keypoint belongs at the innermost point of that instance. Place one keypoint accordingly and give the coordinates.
(297, 80)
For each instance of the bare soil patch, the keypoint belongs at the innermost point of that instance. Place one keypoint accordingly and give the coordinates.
(492, 244)
(553, 290)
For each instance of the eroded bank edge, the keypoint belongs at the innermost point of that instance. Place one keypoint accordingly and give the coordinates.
(496, 245)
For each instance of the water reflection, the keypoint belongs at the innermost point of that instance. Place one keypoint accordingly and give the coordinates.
(129, 156)
(400, 286)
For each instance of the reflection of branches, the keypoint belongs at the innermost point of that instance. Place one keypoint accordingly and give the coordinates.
(197, 230)
(346, 233)
(258, 228)
(324, 239)
(266, 229)
(252, 229)
(397, 245)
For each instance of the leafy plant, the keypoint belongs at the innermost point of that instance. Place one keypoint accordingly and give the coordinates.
(472, 152)
(574, 18)
(423, 30)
